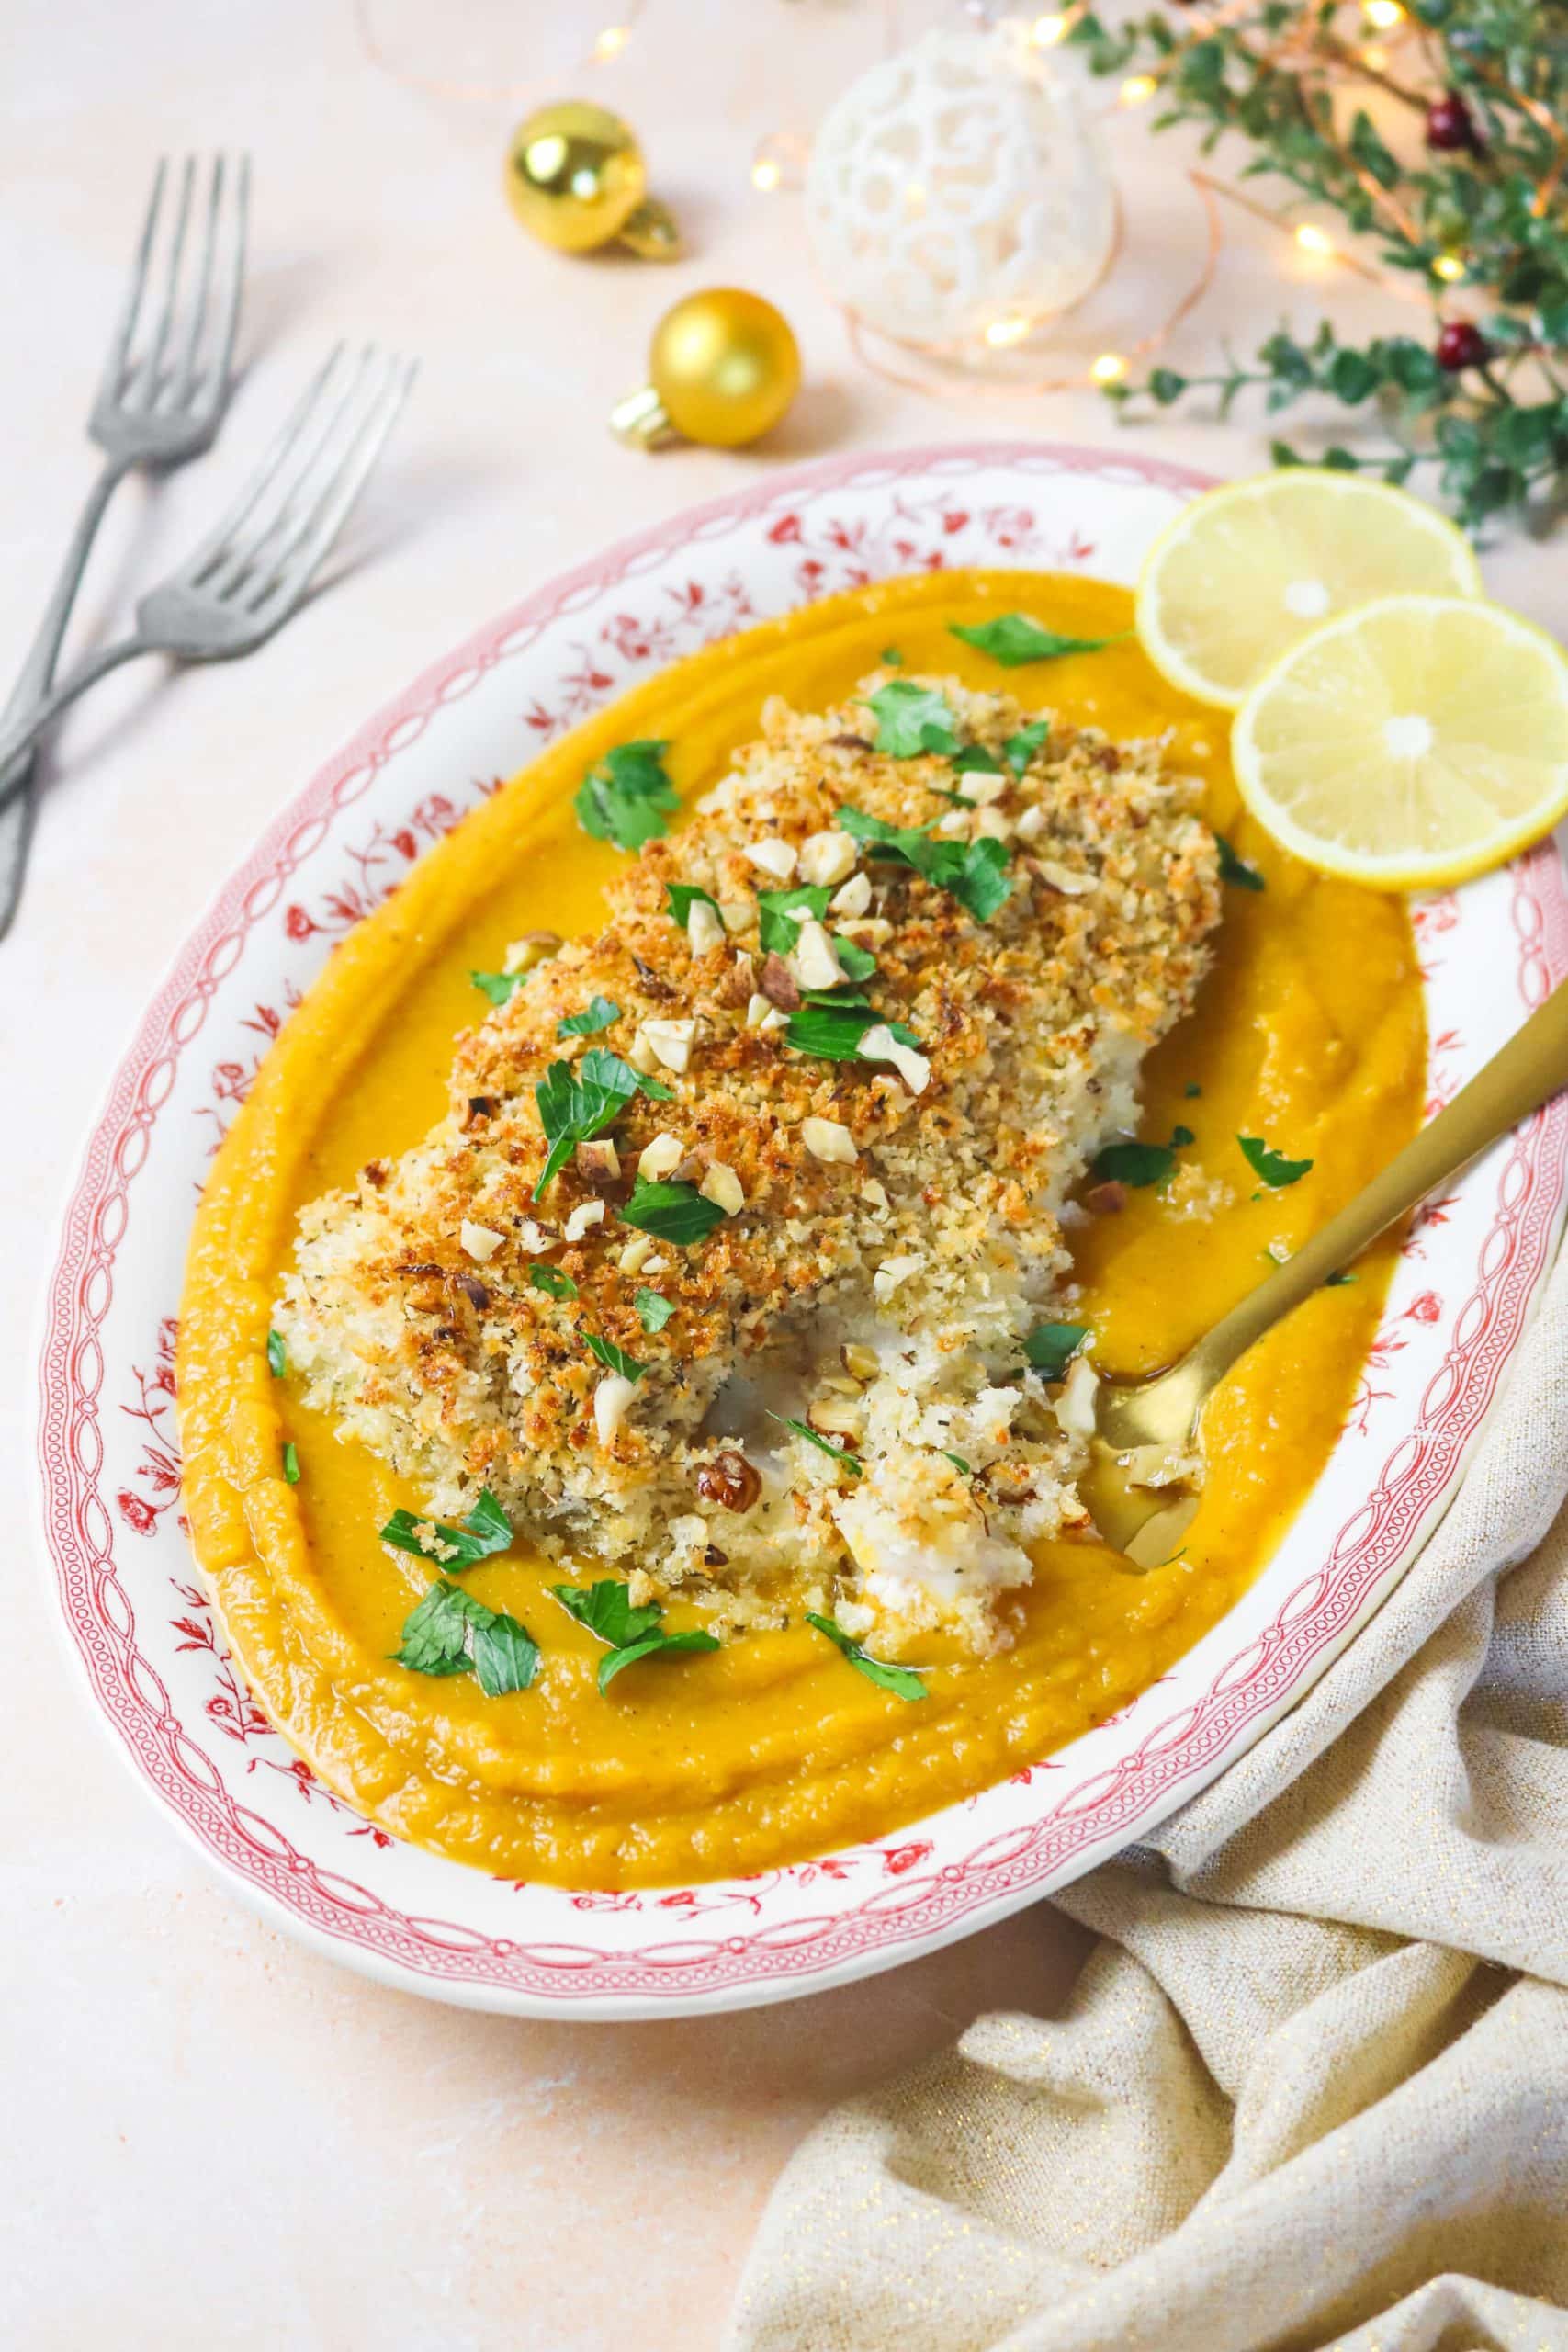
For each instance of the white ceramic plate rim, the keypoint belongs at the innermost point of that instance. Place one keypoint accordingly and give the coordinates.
(170, 1700)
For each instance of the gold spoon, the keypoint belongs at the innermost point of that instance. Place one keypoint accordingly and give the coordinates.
(1143, 1522)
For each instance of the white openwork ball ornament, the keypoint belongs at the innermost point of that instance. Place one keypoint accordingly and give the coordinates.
(960, 193)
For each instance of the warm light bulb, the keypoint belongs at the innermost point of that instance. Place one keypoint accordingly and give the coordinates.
(914, 197)
(1137, 88)
(1048, 30)
(611, 42)
(765, 173)
(1003, 331)
(1312, 240)
(1382, 14)
(1108, 368)
(1449, 266)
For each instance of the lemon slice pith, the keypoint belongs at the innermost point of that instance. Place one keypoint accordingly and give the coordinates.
(1245, 572)
(1413, 743)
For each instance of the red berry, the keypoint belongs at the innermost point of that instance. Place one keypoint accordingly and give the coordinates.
(1449, 126)
(1462, 345)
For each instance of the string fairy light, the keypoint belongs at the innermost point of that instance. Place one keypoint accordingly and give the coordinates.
(1314, 239)
(607, 45)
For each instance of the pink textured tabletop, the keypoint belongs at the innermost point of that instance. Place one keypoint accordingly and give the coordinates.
(216, 2136)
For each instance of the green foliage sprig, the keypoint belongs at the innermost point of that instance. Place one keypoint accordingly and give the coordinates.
(1480, 400)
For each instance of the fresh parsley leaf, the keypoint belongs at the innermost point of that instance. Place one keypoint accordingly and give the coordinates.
(291, 1463)
(1180, 1135)
(1020, 749)
(632, 1633)
(673, 1212)
(1192, 1089)
(975, 872)
(451, 1632)
(836, 1452)
(499, 986)
(1337, 1281)
(1012, 638)
(982, 884)
(613, 1357)
(1272, 1166)
(902, 1680)
(911, 719)
(276, 1355)
(628, 798)
(776, 910)
(1051, 1347)
(1135, 1163)
(831, 1028)
(575, 1104)
(890, 658)
(681, 897)
(486, 1531)
(653, 1309)
(974, 759)
(601, 1012)
(957, 1461)
(552, 1281)
(859, 963)
(1235, 868)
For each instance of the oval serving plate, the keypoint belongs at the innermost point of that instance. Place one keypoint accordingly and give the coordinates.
(134, 1612)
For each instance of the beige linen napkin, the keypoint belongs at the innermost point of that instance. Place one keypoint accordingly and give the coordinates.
(1311, 2089)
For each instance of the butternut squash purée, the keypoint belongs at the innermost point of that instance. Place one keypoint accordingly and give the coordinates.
(1309, 1033)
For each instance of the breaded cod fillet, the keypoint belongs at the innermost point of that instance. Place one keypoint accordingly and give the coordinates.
(884, 1227)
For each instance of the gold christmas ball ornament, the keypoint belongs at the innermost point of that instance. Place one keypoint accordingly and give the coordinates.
(576, 179)
(723, 368)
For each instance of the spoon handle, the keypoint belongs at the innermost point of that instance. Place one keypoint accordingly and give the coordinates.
(1530, 1068)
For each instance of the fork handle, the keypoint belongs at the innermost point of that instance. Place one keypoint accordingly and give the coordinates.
(18, 735)
(1530, 1068)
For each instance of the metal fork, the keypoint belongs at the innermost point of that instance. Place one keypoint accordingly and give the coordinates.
(250, 575)
(161, 399)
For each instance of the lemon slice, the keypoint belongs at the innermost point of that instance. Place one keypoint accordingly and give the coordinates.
(1246, 571)
(1418, 740)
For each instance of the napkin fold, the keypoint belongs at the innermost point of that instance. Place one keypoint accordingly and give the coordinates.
(1310, 2088)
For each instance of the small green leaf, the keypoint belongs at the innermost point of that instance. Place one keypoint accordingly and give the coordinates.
(982, 884)
(673, 1212)
(957, 1461)
(1235, 868)
(974, 759)
(627, 798)
(1272, 1166)
(486, 1531)
(276, 1355)
(652, 1646)
(1135, 1163)
(499, 986)
(1166, 385)
(1337, 1281)
(852, 1462)
(1192, 1089)
(890, 658)
(613, 1357)
(681, 897)
(858, 963)
(552, 1281)
(1020, 749)
(831, 1028)
(653, 1309)
(1012, 638)
(975, 872)
(436, 1635)
(1180, 1136)
(776, 911)
(575, 1104)
(601, 1012)
(451, 1632)
(911, 719)
(505, 1655)
(291, 1463)
(1051, 1347)
(605, 1610)
(902, 1680)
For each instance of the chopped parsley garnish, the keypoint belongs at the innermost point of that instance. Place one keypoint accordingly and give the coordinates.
(291, 1463)
(957, 1461)
(613, 1357)
(891, 657)
(1180, 1136)
(653, 1309)
(1020, 749)
(451, 1632)
(911, 719)
(1012, 638)
(499, 986)
(777, 911)
(1192, 1089)
(1235, 868)
(577, 1104)
(605, 1609)
(601, 1012)
(852, 1462)
(276, 1356)
(974, 759)
(681, 897)
(627, 798)
(1141, 1163)
(486, 1531)
(1272, 1166)
(673, 1212)
(902, 1680)
(552, 1281)
(1337, 1281)
(858, 963)
(833, 1029)
(974, 873)
(1051, 1347)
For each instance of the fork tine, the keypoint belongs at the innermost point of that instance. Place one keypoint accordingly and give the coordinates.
(300, 558)
(229, 320)
(120, 343)
(218, 541)
(152, 367)
(195, 322)
(254, 544)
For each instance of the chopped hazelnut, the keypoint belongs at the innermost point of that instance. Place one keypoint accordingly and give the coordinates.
(854, 899)
(611, 1399)
(660, 1156)
(815, 962)
(772, 857)
(586, 1213)
(779, 985)
(481, 1241)
(828, 1139)
(1032, 824)
(722, 1186)
(533, 947)
(704, 927)
(729, 1481)
(670, 1041)
(891, 1273)
(879, 1045)
(828, 857)
(860, 1362)
(875, 1194)
(636, 1253)
(598, 1161)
